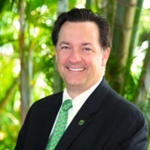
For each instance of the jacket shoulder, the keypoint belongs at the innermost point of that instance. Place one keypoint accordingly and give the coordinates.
(48, 99)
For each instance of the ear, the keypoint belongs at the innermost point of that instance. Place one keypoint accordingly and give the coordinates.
(55, 51)
(105, 56)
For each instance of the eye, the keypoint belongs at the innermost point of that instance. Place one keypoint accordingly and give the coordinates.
(87, 49)
(65, 48)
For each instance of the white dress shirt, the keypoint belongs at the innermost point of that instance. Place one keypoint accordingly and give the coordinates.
(76, 103)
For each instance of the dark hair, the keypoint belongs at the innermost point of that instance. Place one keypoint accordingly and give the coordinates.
(83, 15)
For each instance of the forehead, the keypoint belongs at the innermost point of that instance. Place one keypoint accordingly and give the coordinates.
(79, 31)
(81, 25)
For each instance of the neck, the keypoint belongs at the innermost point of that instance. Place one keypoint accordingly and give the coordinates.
(73, 93)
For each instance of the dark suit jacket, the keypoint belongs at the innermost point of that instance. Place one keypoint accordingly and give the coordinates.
(111, 123)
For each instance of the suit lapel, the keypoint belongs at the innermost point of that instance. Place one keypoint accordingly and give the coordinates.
(83, 117)
(74, 129)
(48, 115)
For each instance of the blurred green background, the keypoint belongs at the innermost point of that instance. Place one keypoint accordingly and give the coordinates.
(28, 70)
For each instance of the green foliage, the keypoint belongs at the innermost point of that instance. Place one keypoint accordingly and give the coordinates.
(38, 20)
(39, 17)
(9, 125)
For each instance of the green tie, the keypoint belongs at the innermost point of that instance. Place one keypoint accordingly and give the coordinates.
(60, 126)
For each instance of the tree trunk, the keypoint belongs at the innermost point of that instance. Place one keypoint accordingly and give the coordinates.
(121, 41)
(88, 4)
(135, 28)
(58, 83)
(108, 10)
(144, 82)
(26, 69)
(133, 42)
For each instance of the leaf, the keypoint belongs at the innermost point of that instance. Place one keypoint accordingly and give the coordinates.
(2, 4)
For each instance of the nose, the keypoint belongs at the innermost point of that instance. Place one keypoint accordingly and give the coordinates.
(75, 56)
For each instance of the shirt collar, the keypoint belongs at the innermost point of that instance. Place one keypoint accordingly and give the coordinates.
(80, 99)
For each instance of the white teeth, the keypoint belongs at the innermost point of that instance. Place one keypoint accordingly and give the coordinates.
(76, 69)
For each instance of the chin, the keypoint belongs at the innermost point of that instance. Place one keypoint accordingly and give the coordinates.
(73, 83)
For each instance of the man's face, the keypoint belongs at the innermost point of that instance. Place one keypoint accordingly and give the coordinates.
(79, 55)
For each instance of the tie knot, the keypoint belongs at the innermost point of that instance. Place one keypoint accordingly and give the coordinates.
(67, 105)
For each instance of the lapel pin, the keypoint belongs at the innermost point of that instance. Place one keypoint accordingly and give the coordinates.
(81, 122)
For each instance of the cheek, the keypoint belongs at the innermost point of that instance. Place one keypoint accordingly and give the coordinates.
(96, 62)
(92, 65)
(61, 59)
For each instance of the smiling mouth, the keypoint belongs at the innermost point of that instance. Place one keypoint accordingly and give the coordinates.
(76, 69)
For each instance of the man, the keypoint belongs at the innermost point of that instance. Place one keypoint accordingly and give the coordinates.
(99, 119)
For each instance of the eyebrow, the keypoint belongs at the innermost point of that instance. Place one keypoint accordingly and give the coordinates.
(83, 44)
(66, 43)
